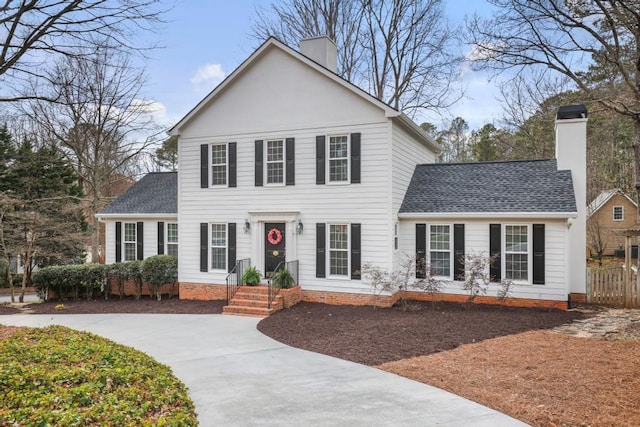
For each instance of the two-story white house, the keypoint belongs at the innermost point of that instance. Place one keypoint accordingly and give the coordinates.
(287, 161)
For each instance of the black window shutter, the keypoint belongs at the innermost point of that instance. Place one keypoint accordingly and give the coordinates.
(495, 232)
(538, 254)
(290, 150)
(204, 166)
(160, 238)
(231, 246)
(458, 251)
(320, 165)
(355, 158)
(204, 246)
(321, 252)
(421, 251)
(118, 241)
(355, 251)
(259, 163)
(140, 240)
(232, 164)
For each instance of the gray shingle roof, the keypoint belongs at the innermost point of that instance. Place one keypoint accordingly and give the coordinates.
(510, 187)
(155, 193)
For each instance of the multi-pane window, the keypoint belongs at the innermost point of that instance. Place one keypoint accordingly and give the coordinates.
(618, 213)
(218, 246)
(219, 164)
(129, 241)
(440, 250)
(339, 249)
(172, 239)
(275, 162)
(516, 251)
(338, 158)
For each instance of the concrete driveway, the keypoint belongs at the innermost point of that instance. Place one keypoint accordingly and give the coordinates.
(239, 377)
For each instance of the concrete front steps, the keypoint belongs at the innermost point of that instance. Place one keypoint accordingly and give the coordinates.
(253, 301)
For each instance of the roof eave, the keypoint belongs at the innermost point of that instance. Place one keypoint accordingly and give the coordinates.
(417, 131)
(479, 215)
(137, 215)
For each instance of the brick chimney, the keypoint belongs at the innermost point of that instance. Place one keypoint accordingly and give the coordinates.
(571, 154)
(321, 50)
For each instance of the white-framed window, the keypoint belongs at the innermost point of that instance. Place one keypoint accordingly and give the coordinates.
(339, 249)
(275, 161)
(618, 213)
(440, 249)
(338, 163)
(130, 241)
(172, 239)
(517, 252)
(219, 163)
(395, 236)
(218, 246)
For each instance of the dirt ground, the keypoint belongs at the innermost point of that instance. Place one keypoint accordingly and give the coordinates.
(504, 358)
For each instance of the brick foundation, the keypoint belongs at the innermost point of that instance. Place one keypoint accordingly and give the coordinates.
(343, 298)
(130, 289)
(205, 292)
(509, 302)
(202, 292)
(578, 298)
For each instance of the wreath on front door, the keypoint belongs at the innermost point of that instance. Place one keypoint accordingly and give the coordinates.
(274, 236)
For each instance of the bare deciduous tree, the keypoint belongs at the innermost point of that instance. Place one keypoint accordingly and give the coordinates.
(402, 51)
(594, 44)
(37, 32)
(596, 237)
(99, 121)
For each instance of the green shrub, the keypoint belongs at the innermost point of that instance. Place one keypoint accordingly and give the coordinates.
(159, 270)
(283, 279)
(58, 376)
(66, 279)
(251, 276)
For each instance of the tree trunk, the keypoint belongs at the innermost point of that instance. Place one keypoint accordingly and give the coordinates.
(95, 230)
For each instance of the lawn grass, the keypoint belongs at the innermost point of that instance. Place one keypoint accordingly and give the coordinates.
(58, 376)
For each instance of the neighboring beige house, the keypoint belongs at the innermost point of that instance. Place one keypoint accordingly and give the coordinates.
(611, 211)
(285, 161)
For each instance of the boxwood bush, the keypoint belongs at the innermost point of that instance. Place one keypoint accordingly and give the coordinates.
(89, 280)
(58, 376)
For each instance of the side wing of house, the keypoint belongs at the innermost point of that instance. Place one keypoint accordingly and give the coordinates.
(143, 221)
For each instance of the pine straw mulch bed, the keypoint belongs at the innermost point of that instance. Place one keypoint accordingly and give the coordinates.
(498, 357)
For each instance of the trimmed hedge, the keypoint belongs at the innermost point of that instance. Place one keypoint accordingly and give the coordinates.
(56, 376)
(91, 280)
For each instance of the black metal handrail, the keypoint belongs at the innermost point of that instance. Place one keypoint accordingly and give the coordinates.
(234, 278)
(292, 267)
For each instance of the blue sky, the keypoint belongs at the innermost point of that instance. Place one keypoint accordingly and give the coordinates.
(204, 40)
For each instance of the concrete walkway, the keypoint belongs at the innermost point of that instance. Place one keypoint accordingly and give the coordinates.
(239, 377)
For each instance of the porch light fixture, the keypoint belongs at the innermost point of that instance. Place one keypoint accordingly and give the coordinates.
(300, 227)
(247, 226)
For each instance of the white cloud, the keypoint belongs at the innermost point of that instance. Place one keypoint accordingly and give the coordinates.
(209, 72)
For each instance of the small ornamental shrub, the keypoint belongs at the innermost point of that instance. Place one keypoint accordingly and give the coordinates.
(283, 279)
(56, 376)
(85, 279)
(134, 270)
(251, 276)
(159, 270)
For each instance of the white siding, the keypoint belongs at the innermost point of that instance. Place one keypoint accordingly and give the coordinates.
(278, 96)
(556, 285)
(150, 238)
(407, 153)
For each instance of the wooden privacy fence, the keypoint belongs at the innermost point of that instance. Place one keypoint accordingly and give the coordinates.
(608, 286)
